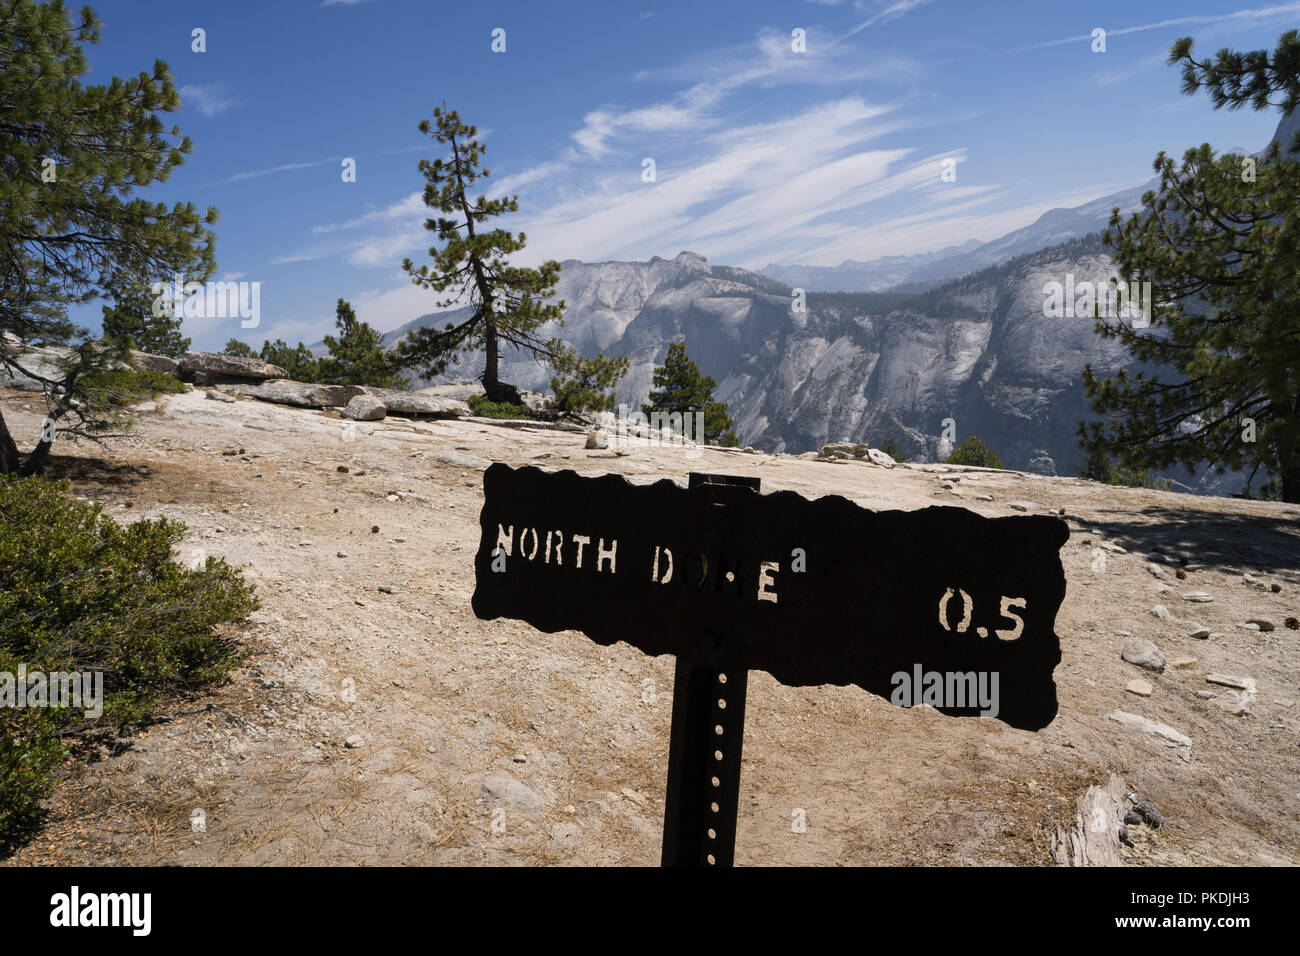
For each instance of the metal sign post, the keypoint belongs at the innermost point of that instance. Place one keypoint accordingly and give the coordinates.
(708, 732)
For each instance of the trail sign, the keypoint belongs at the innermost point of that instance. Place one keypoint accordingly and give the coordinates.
(812, 591)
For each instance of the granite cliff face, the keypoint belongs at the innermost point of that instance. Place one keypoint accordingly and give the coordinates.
(861, 366)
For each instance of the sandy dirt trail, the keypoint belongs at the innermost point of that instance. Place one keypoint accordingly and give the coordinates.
(372, 727)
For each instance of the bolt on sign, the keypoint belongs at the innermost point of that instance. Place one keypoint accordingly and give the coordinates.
(813, 592)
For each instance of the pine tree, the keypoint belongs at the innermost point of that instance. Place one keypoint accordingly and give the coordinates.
(890, 448)
(70, 157)
(974, 453)
(299, 362)
(130, 322)
(237, 347)
(679, 387)
(507, 303)
(1220, 244)
(357, 356)
(582, 383)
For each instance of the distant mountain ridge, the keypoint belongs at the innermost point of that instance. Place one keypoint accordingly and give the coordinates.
(1052, 227)
(966, 339)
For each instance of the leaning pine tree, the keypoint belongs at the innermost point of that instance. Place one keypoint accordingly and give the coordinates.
(507, 304)
(1220, 243)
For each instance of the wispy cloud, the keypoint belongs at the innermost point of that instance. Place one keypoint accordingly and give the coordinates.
(310, 164)
(1258, 13)
(767, 61)
(210, 98)
(891, 11)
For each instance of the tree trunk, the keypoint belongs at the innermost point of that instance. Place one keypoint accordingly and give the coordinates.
(8, 450)
(36, 459)
(1290, 469)
(490, 368)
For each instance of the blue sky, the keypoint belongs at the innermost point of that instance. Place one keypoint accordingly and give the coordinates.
(761, 154)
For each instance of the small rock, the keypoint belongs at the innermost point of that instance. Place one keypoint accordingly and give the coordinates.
(596, 438)
(353, 741)
(1024, 505)
(385, 589)
(341, 554)
(1113, 547)
(1172, 737)
(1197, 597)
(1233, 704)
(1264, 625)
(1147, 812)
(220, 396)
(502, 789)
(374, 529)
(393, 498)
(342, 469)
(1160, 611)
(1180, 574)
(1292, 624)
(1230, 680)
(1144, 654)
(983, 497)
(1156, 571)
(1139, 687)
(1275, 588)
(1182, 663)
(1200, 634)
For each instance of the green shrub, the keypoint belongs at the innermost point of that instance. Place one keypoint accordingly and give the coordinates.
(480, 406)
(973, 452)
(890, 448)
(1100, 467)
(124, 384)
(80, 592)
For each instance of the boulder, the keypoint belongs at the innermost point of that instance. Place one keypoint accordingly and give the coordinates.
(215, 368)
(285, 391)
(417, 404)
(880, 458)
(364, 408)
(145, 362)
(462, 391)
(37, 361)
(844, 449)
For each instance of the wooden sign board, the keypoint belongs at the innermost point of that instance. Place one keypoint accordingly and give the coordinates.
(813, 592)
